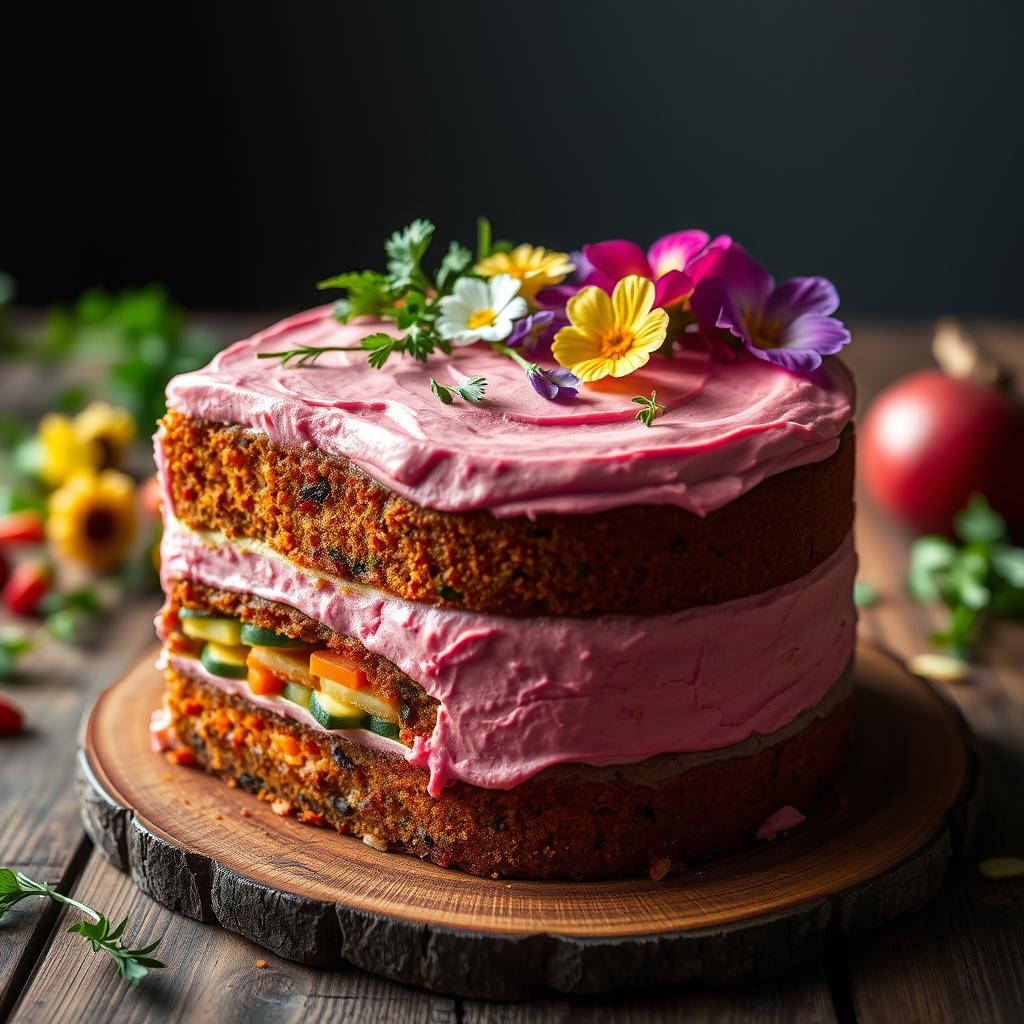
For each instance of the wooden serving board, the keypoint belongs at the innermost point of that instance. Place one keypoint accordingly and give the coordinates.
(876, 848)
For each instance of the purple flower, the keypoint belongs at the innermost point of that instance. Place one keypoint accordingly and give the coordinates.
(788, 325)
(526, 331)
(552, 384)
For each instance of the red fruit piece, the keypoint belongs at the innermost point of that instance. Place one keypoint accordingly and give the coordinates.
(21, 528)
(5, 569)
(27, 587)
(10, 718)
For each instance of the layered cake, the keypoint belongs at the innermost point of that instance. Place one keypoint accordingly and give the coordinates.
(485, 604)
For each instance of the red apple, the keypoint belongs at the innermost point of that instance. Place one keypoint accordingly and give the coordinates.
(929, 441)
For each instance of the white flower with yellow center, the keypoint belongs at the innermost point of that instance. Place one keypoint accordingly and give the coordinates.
(480, 310)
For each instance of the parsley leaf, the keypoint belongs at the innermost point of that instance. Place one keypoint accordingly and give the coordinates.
(405, 250)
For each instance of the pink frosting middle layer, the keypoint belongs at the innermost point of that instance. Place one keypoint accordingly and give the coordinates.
(519, 695)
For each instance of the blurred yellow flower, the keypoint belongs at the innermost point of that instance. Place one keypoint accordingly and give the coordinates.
(62, 451)
(95, 439)
(109, 429)
(533, 266)
(92, 518)
(611, 335)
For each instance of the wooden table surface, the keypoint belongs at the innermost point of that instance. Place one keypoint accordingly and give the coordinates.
(961, 959)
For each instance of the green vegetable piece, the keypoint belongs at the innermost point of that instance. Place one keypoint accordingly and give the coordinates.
(382, 728)
(335, 714)
(215, 666)
(196, 613)
(298, 694)
(254, 636)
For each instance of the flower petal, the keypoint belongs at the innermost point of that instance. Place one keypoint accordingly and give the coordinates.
(617, 259)
(572, 346)
(555, 296)
(709, 298)
(799, 360)
(632, 301)
(501, 291)
(632, 360)
(672, 287)
(651, 332)
(800, 295)
(474, 293)
(824, 334)
(590, 309)
(675, 251)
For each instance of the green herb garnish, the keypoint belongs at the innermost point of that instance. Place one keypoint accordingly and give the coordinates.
(981, 577)
(132, 964)
(407, 294)
(470, 390)
(650, 408)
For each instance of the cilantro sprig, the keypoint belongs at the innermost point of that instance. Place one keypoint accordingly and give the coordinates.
(978, 578)
(470, 390)
(132, 964)
(407, 294)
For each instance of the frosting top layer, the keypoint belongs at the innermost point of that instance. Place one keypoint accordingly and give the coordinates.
(726, 428)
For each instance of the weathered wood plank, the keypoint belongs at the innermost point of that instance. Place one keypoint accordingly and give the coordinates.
(801, 998)
(210, 975)
(40, 826)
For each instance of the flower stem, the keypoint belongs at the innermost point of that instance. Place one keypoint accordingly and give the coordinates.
(504, 350)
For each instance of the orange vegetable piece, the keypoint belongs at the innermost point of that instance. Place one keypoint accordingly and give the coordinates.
(338, 667)
(263, 682)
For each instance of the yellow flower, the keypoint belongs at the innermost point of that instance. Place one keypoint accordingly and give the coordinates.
(62, 451)
(613, 335)
(109, 429)
(95, 439)
(533, 266)
(93, 518)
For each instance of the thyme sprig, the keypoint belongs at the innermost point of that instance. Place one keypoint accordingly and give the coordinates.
(132, 964)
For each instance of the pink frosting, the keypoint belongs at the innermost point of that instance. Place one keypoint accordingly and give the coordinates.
(728, 426)
(518, 695)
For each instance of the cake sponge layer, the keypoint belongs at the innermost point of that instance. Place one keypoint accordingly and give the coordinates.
(325, 514)
(570, 821)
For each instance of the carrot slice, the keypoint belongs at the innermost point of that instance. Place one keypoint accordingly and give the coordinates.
(263, 682)
(338, 667)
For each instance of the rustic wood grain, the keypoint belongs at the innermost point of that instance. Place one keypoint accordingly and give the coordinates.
(40, 828)
(877, 848)
(211, 975)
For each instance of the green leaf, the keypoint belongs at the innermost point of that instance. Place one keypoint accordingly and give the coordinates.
(1008, 562)
(650, 408)
(443, 394)
(978, 523)
(455, 261)
(367, 293)
(929, 556)
(472, 390)
(405, 250)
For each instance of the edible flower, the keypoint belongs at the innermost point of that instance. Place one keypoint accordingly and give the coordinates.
(555, 383)
(611, 335)
(93, 518)
(534, 267)
(480, 310)
(788, 325)
(670, 263)
(537, 330)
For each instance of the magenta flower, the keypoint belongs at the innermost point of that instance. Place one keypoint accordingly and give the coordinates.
(667, 263)
(788, 324)
(673, 263)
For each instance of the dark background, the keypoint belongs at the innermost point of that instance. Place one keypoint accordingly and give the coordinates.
(240, 151)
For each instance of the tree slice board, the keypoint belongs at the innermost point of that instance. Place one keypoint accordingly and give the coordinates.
(877, 847)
